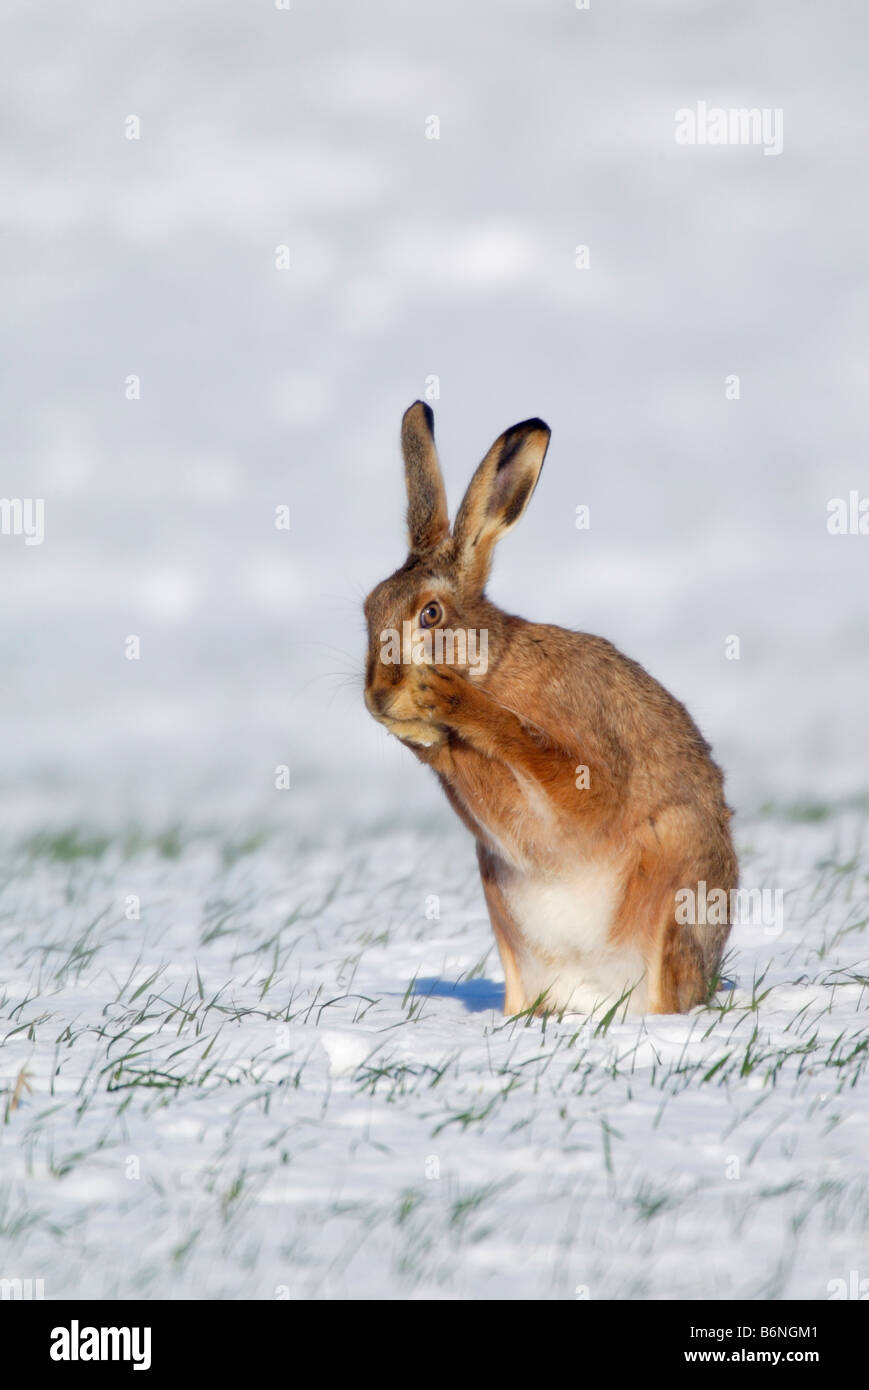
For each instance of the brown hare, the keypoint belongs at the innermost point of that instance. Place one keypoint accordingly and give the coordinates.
(590, 791)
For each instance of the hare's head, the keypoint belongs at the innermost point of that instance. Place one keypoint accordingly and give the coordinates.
(434, 609)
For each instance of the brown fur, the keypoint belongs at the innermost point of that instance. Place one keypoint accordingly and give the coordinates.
(506, 744)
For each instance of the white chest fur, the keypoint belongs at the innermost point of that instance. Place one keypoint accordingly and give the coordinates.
(565, 949)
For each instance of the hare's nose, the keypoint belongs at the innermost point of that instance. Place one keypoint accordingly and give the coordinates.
(380, 699)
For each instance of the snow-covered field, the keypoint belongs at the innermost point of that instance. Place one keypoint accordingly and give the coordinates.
(286, 1078)
(250, 1038)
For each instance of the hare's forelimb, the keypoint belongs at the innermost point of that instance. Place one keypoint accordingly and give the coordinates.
(466, 710)
(507, 933)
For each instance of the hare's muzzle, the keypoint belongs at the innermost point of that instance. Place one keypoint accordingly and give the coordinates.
(378, 701)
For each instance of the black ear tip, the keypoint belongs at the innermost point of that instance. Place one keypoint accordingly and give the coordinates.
(515, 437)
(535, 426)
(427, 411)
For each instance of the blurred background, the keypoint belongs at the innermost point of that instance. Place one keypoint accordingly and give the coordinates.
(420, 266)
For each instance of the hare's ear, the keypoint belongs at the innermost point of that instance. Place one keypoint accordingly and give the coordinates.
(496, 497)
(427, 519)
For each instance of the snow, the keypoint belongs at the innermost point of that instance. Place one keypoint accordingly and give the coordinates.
(285, 1076)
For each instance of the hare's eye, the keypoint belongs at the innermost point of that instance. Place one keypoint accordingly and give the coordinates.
(431, 615)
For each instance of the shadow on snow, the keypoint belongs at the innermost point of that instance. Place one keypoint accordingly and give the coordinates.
(476, 995)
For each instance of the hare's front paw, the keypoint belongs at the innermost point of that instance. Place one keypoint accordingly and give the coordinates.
(440, 693)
